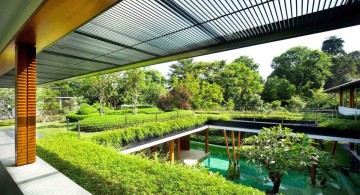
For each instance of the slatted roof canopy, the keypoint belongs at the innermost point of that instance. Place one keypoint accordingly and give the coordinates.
(136, 33)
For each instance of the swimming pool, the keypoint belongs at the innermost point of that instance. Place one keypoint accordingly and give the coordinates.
(294, 182)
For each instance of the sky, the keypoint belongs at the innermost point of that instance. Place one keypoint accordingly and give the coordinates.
(264, 53)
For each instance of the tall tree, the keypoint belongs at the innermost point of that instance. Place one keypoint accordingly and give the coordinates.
(278, 89)
(46, 102)
(305, 68)
(333, 46)
(239, 83)
(154, 87)
(249, 62)
(181, 68)
(135, 82)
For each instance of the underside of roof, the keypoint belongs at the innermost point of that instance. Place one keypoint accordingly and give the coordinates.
(346, 86)
(136, 33)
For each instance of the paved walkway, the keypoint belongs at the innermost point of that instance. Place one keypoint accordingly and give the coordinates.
(37, 178)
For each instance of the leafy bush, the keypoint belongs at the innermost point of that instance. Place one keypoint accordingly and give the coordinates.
(86, 109)
(165, 102)
(102, 170)
(7, 122)
(121, 137)
(108, 122)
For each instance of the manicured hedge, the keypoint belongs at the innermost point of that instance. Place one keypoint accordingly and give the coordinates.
(102, 170)
(139, 111)
(109, 122)
(122, 137)
(73, 117)
(7, 122)
(342, 124)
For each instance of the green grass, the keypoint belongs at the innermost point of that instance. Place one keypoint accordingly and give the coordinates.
(343, 124)
(103, 170)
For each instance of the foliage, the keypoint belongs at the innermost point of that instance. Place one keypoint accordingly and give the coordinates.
(7, 102)
(102, 170)
(118, 138)
(277, 150)
(154, 87)
(278, 89)
(135, 82)
(239, 83)
(333, 45)
(46, 102)
(86, 109)
(325, 166)
(7, 122)
(305, 68)
(108, 122)
(249, 62)
(295, 104)
(320, 99)
(166, 102)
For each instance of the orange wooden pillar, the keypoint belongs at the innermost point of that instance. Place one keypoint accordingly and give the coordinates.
(25, 103)
(351, 98)
(171, 151)
(341, 101)
(206, 140)
(178, 149)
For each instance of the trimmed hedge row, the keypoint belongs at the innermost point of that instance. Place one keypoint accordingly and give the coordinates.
(342, 124)
(109, 122)
(7, 122)
(139, 111)
(102, 170)
(122, 137)
(73, 117)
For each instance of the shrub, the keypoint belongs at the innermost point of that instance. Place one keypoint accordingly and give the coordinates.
(7, 122)
(102, 170)
(165, 102)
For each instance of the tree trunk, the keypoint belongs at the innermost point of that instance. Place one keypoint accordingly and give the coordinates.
(276, 180)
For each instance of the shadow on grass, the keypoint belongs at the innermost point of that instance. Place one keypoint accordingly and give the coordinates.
(89, 180)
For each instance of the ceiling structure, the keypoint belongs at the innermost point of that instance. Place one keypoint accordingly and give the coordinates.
(136, 33)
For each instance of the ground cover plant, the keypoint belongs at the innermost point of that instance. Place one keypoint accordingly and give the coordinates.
(109, 122)
(122, 137)
(102, 170)
(343, 124)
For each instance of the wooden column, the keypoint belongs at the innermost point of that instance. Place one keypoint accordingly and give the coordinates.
(206, 140)
(341, 101)
(171, 151)
(333, 148)
(178, 149)
(185, 143)
(351, 98)
(352, 146)
(154, 148)
(25, 103)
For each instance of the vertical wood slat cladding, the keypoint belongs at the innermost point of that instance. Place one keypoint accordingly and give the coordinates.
(25, 92)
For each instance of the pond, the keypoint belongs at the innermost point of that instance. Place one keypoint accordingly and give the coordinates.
(294, 182)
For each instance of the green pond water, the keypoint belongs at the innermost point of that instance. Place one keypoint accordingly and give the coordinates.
(294, 182)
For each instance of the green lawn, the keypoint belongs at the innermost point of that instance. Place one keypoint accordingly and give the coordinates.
(341, 156)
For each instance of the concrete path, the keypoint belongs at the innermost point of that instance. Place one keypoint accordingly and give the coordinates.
(37, 178)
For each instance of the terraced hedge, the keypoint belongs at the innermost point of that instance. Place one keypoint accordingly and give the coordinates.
(102, 170)
(122, 137)
(109, 122)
